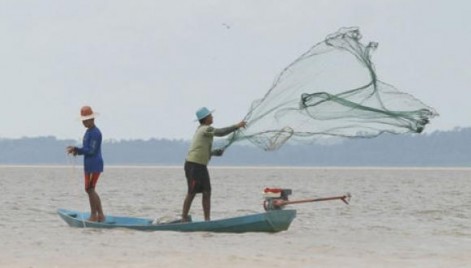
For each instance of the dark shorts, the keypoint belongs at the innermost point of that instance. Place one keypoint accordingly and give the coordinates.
(91, 179)
(197, 177)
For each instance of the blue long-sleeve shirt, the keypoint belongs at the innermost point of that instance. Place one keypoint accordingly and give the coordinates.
(91, 151)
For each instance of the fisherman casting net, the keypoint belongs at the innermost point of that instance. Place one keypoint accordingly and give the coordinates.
(331, 90)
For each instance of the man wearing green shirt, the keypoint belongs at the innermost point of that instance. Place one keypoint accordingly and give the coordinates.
(199, 154)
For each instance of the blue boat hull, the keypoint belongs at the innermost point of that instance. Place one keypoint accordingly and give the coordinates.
(270, 221)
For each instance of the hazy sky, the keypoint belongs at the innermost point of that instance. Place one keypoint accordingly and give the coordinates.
(146, 66)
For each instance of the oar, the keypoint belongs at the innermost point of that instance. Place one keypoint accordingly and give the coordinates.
(345, 198)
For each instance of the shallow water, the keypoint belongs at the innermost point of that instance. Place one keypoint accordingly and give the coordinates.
(397, 218)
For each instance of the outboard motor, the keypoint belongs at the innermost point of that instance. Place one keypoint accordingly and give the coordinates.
(275, 198)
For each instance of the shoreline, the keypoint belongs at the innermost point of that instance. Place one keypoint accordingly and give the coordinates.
(6, 166)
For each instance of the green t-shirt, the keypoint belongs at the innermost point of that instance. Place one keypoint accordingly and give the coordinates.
(201, 145)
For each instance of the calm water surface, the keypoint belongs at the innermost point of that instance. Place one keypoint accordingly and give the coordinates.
(397, 218)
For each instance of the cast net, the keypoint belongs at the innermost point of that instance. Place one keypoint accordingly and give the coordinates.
(331, 90)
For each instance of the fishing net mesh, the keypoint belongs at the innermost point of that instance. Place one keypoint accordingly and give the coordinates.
(331, 90)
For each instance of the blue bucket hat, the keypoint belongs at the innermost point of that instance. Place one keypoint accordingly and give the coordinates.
(203, 112)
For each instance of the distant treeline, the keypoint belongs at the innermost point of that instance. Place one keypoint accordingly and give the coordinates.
(440, 148)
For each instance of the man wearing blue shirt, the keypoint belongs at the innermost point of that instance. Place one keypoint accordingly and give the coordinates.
(92, 161)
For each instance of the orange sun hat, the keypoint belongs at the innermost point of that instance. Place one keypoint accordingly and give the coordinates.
(86, 113)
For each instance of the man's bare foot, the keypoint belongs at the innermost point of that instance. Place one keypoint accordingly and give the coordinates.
(101, 218)
(93, 218)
